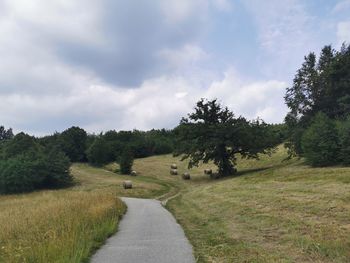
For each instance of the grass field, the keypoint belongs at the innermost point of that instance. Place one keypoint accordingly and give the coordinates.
(66, 225)
(271, 211)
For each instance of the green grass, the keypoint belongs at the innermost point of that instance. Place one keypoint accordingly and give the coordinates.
(272, 211)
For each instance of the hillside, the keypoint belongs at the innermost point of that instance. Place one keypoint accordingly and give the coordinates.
(273, 211)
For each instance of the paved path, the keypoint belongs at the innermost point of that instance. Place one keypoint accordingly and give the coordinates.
(148, 233)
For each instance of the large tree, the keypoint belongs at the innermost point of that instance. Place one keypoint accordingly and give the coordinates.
(73, 143)
(212, 133)
(320, 85)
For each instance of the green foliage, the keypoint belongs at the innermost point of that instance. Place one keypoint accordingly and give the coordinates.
(28, 172)
(212, 133)
(56, 169)
(17, 175)
(320, 85)
(142, 144)
(5, 134)
(344, 140)
(126, 161)
(320, 142)
(25, 166)
(20, 144)
(100, 152)
(73, 143)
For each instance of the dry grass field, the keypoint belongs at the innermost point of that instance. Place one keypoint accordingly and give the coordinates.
(66, 225)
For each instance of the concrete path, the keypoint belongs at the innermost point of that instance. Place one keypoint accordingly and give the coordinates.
(148, 233)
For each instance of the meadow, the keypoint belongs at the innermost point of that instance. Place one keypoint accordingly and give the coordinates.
(273, 210)
(66, 225)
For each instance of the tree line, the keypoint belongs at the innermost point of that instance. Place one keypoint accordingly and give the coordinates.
(318, 123)
(28, 163)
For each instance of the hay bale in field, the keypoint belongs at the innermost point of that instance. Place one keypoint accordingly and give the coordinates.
(173, 171)
(133, 173)
(127, 184)
(186, 176)
(208, 171)
(173, 166)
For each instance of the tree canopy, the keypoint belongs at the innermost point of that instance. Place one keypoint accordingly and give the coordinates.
(213, 133)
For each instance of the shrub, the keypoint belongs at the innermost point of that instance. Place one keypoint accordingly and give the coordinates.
(56, 169)
(320, 142)
(19, 174)
(28, 172)
(20, 144)
(100, 152)
(126, 161)
(73, 143)
(344, 140)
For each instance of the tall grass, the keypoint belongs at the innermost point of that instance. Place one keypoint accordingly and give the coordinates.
(56, 226)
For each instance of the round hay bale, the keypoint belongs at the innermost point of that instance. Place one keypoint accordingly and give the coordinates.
(208, 171)
(186, 176)
(173, 171)
(133, 173)
(127, 184)
(173, 166)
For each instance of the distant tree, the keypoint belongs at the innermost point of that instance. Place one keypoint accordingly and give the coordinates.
(344, 141)
(73, 143)
(20, 144)
(19, 175)
(25, 165)
(100, 152)
(5, 134)
(126, 161)
(56, 169)
(212, 133)
(320, 142)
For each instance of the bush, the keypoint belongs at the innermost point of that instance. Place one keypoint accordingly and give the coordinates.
(20, 144)
(100, 152)
(73, 143)
(19, 175)
(320, 142)
(126, 161)
(26, 166)
(56, 169)
(344, 140)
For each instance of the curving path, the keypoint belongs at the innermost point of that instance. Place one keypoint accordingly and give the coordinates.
(148, 233)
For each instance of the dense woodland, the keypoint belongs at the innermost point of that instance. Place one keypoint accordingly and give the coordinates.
(317, 127)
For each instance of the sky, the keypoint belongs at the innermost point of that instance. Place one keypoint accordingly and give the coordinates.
(143, 64)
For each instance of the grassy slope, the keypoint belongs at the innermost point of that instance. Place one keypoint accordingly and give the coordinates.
(273, 211)
(66, 225)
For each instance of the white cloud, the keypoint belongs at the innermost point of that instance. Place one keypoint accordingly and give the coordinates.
(42, 92)
(186, 56)
(262, 99)
(343, 32)
(73, 21)
(157, 103)
(341, 6)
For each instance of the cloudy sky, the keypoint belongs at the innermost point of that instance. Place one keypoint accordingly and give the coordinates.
(125, 64)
